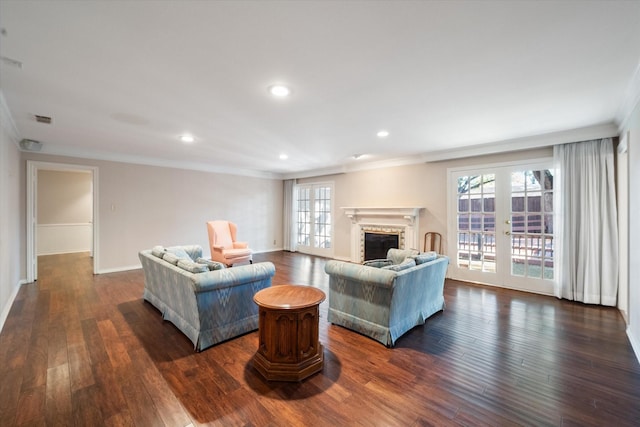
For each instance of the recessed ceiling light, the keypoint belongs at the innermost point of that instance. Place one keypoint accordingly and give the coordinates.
(186, 138)
(283, 156)
(280, 91)
(383, 133)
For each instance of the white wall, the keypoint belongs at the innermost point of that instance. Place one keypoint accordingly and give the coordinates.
(142, 206)
(65, 212)
(11, 251)
(64, 238)
(405, 186)
(622, 193)
(633, 129)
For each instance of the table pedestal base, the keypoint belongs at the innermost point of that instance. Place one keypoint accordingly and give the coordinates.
(289, 349)
(278, 371)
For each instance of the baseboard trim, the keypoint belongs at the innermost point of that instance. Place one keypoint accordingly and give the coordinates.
(268, 250)
(635, 345)
(7, 308)
(119, 269)
(64, 252)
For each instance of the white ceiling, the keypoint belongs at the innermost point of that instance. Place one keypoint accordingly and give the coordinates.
(123, 80)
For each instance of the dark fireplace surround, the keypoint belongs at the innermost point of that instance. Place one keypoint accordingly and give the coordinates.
(376, 244)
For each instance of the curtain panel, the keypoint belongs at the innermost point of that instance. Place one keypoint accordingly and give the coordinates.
(586, 224)
(289, 220)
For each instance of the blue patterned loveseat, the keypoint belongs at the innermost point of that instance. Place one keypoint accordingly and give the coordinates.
(384, 304)
(207, 306)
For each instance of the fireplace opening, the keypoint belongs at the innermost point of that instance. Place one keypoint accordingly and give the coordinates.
(376, 245)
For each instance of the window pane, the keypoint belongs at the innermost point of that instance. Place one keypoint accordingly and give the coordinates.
(463, 222)
(489, 183)
(517, 181)
(476, 222)
(489, 204)
(475, 184)
(463, 203)
(517, 223)
(517, 202)
(548, 202)
(489, 222)
(531, 180)
(534, 223)
(533, 203)
(534, 267)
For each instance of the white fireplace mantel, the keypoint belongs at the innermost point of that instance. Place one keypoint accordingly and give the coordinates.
(357, 214)
(402, 218)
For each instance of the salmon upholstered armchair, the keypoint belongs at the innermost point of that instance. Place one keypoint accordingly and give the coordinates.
(224, 247)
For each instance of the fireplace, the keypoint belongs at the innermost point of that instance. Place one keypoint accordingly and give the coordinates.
(385, 228)
(376, 245)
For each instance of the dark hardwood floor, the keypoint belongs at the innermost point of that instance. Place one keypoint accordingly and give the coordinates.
(85, 350)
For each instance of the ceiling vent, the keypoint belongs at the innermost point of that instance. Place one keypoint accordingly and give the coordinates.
(43, 119)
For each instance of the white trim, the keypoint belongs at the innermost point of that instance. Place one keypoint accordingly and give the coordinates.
(631, 99)
(70, 224)
(539, 162)
(62, 253)
(635, 345)
(527, 143)
(150, 161)
(119, 269)
(32, 167)
(587, 133)
(266, 251)
(5, 312)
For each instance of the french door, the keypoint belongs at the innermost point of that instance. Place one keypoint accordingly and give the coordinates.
(501, 226)
(314, 219)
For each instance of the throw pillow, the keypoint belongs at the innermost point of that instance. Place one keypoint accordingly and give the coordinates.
(171, 258)
(211, 265)
(425, 257)
(158, 251)
(407, 263)
(377, 263)
(192, 267)
(179, 252)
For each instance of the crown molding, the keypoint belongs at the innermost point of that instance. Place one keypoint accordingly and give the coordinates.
(605, 130)
(631, 100)
(380, 164)
(152, 161)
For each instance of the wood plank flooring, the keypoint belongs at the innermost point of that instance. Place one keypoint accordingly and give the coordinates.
(85, 350)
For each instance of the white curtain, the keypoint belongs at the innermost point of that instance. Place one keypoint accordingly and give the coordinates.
(288, 210)
(586, 224)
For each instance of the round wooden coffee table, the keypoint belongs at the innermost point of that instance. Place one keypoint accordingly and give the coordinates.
(289, 349)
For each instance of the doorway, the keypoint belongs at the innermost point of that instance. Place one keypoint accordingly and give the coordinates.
(34, 168)
(314, 211)
(501, 225)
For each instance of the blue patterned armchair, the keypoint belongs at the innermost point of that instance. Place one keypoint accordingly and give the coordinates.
(384, 304)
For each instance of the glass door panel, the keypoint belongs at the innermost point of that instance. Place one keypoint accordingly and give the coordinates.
(314, 219)
(531, 219)
(476, 222)
(501, 226)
